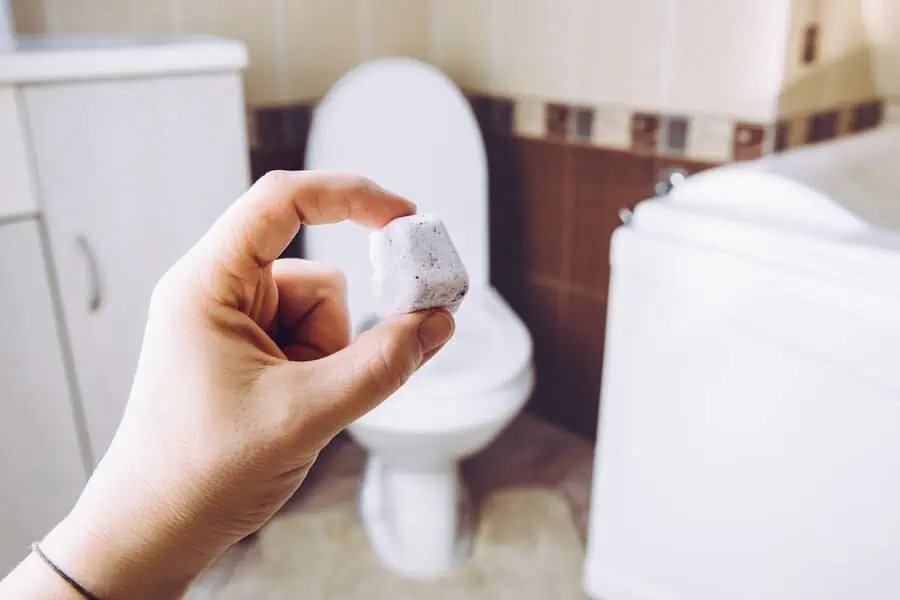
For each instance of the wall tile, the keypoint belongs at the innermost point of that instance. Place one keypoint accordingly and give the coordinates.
(842, 72)
(867, 115)
(710, 138)
(322, 42)
(749, 141)
(559, 117)
(399, 28)
(882, 21)
(91, 16)
(198, 16)
(543, 171)
(645, 132)
(822, 126)
(603, 181)
(261, 27)
(154, 16)
(531, 42)
(583, 337)
(29, 16)
(608, 31)
(529, 118)
(612, 127)
(461, 41)
(727, 58)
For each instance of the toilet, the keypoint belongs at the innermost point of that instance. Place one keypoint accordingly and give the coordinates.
(406, 126)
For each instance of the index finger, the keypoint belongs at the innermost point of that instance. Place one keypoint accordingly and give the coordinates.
(257, 228)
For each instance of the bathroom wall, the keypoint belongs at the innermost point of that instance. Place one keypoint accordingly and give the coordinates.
(584, 105)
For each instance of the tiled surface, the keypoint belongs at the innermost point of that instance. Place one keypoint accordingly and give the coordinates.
(529, 453)
(608, 31)
(461, 41)
(530, 47)
(726, 58)
(398, 28)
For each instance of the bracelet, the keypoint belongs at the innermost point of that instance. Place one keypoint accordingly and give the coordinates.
(36, 548)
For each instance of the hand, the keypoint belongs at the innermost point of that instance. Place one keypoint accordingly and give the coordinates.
(244, 376)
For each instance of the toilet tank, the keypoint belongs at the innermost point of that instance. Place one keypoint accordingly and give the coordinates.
(749, 438)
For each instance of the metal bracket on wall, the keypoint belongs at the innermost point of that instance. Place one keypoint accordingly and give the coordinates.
(668, 180)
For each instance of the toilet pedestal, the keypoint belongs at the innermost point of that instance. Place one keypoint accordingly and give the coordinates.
(416, 519)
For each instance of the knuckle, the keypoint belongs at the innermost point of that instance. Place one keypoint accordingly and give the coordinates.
(274, 178)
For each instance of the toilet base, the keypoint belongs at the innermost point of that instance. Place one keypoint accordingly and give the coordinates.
(418, 521)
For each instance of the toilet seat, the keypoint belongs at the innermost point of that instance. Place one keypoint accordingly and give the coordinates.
(463, 384)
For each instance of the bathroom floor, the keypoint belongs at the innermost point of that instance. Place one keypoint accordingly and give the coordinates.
(532, 490)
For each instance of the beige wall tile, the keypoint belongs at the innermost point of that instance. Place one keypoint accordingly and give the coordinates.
(532, 43)
(612, 126)
(882, 21)
(710, 138)
(529, 117)
(399, 28)
(461, 41)
(29, 16)
(260, 25)
(323, 42)
(843, 69)
(199, 16)
(90, 16)
(153, 16)
(618, 54)
(727, 58)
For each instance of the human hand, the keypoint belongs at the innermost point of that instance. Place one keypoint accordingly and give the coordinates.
(244, 376)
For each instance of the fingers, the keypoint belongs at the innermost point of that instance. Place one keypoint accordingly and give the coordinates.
(257, 228)
(356, 379)
(313, 319)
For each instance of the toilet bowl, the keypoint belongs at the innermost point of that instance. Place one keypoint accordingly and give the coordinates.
(407, 127)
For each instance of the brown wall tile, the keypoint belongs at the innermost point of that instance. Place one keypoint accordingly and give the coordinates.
(822, 126)
(867, 115)
(540, 171)
(603, 181)
(748, 141)
(583, 333)
(645, 133)
(558, 117)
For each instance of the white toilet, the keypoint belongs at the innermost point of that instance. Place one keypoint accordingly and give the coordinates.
(407, 127)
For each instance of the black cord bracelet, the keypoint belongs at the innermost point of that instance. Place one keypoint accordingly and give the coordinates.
(36, 548)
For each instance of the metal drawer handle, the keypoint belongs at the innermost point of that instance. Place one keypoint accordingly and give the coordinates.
(95, 301)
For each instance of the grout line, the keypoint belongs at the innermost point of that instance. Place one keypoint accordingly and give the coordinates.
(176, 8)
(366, 37)
(282, 71)
(51, 15)
(561, 285)
(495, 37)
(435, 41)
(664, 84)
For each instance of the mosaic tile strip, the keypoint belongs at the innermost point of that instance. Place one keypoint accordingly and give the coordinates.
(697, 137)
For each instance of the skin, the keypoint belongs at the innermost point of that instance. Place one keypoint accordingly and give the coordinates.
(246, 373)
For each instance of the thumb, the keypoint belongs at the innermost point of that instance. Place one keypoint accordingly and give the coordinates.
(353, 381)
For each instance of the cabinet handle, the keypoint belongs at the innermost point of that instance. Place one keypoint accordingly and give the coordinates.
(96, 294)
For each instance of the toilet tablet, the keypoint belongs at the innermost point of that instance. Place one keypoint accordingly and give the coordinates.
(416, 267)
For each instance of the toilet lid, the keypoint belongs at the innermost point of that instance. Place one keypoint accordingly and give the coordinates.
(490, 348)
(406, 126)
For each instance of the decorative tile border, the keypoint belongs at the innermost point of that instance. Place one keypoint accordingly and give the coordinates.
(696, 137)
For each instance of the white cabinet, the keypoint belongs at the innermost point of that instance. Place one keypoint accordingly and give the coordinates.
(41, 466)
(116, 155)
(132, 173)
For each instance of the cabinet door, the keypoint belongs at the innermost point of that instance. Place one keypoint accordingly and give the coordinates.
(41, 466)
(132, 173)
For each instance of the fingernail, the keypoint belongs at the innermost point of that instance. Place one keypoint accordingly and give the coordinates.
(435, 331)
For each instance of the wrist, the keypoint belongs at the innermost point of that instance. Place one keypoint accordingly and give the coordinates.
(114, 565)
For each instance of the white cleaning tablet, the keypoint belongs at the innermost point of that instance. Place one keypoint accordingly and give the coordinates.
(416, 266)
